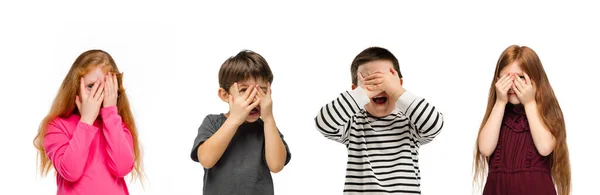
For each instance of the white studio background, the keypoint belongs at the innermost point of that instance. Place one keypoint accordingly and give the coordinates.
(171, 54)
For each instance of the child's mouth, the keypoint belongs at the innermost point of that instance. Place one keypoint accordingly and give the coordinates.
(254, 111)
(380, 100)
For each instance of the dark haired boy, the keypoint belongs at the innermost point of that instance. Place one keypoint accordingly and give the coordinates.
(382, 125)
(240, 149)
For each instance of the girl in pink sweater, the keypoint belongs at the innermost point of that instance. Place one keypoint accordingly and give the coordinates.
(89, 134)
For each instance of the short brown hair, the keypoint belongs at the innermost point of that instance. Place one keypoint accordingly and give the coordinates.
(372, 54)
(243, 66)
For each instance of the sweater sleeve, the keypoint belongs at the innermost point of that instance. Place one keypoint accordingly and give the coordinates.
(334, 119)
(119, 143)
(424, 117)
(69, 153)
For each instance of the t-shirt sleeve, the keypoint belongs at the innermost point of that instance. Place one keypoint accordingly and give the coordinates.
(288, 157)
(206, 129)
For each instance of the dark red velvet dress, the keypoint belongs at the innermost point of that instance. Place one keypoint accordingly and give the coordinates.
(516, 167)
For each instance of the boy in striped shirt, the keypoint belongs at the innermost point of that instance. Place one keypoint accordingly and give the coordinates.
(382, 125)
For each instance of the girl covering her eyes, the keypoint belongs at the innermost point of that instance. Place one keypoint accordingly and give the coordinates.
(89, 135)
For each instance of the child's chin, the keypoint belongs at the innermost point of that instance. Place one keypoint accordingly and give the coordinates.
(514, 101)
(251, 119)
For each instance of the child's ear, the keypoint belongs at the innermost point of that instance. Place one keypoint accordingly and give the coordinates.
(401, 81)
(353, 86)
(224, 95)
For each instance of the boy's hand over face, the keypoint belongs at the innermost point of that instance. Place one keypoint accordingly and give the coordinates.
(370, 85)
(387, 81)
(266, 103)
(241, 105)
(393, 87)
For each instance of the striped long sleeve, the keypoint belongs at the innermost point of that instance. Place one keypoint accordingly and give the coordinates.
(334, 119)
(382, 152)
(424, 117)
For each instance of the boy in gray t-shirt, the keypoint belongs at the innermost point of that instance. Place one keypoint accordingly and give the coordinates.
(239, 149)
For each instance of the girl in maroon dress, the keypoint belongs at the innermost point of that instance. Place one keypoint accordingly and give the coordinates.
(521, 144)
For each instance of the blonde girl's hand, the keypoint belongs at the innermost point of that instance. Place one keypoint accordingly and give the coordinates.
(266, 103)
(502, 86)
(241, 105)
(111, 89)
(89, 103)
(525, 90)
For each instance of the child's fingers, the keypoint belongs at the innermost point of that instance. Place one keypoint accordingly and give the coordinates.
(516, 90)
(375, 87)
(503, 78)
(234, 90)
(82, 91)
(99, 91)
(94, 89)
(507, 79)
(518, 78)
(506, 82)
(101, 98)
(374, 81)
(520, 85)
(247, 93)
(261, 93)
(374, 76)
(251, 95)
(360, 76)
(108, 87)
(78, 102)
(111, 84)
(527, 79)
(115, 82)
(269, 88)
(253, 105)
(507, 86)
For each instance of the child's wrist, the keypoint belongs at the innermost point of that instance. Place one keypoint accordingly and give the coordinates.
(498, 101)
(267, 118)
(230, 120)
(86, 121)
(531, 104)
(398, 93)
(501, 104)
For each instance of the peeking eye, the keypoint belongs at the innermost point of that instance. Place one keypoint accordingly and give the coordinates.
(89, 86)
(522, 77)
(243, 90)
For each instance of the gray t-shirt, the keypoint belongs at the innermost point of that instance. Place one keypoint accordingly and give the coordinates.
(242, 169)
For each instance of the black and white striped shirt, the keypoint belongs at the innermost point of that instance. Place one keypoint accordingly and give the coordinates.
(382, 152)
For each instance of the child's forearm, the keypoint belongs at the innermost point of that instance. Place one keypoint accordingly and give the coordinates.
(423, 115)
(69, 154)
(543, 139)
(488, 137)
(119, 143)
(275, 153)
(213, 148)
(332, 120)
